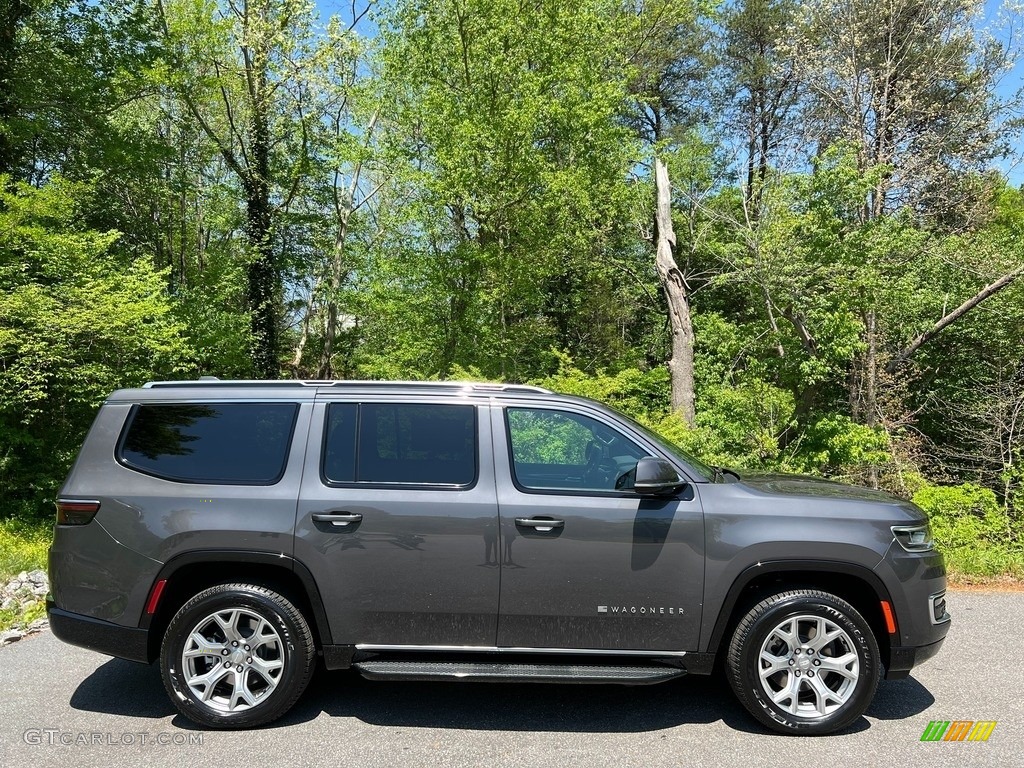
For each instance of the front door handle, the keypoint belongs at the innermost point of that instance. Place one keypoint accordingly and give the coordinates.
(540, 523)
(337, 518)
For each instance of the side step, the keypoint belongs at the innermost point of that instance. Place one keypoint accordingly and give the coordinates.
(500, 672)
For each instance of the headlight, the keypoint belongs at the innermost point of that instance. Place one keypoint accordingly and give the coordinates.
(914, 538)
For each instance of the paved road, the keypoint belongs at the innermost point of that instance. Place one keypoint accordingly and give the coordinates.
(344, 720)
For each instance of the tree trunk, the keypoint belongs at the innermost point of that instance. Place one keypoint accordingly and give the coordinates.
(262, 287)
(326, 370)
(262, 272)
(680, 364)
(343, 211)
(11, 16)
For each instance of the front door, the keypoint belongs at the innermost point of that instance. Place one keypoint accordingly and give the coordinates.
(397, 520)
(585, 562)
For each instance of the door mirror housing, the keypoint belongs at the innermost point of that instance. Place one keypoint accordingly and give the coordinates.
(655, 476)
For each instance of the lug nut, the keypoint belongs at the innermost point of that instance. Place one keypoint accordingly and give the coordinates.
(238, 668)
(810, 673)
(247, 647)
(227, 665)
(797, 673)
(234, 643)
(797, 651)
(791, 662)
(810, 651)
(249, 660)
(817, 662)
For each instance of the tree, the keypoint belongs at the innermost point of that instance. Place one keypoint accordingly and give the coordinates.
(241, 71)
(912, 85)
(77, 320)
(670, 65)
(762, 87)
(515, 177)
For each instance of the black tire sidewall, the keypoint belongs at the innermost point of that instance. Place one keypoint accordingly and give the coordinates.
(864, 642)
(263, 603)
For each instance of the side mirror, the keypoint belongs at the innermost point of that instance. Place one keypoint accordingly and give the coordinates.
(655, 476)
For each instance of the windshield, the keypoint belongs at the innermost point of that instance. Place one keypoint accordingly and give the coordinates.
(698, 466)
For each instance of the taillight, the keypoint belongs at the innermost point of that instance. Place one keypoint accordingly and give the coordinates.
(76, 512)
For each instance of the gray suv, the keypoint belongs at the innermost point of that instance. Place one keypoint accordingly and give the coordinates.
(240, 531)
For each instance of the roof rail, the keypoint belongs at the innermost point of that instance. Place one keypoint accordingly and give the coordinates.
(475, 386)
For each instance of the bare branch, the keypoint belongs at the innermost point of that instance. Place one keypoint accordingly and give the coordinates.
(944, 322)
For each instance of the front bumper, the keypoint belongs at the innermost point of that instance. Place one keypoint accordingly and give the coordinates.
(106, 637)
(903, 659)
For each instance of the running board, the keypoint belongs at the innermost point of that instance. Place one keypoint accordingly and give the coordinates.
(501, 672)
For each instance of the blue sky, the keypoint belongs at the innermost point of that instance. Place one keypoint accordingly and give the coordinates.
(1005, 22)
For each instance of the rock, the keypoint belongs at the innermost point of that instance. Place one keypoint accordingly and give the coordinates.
(40, 589)
(8, 604)
(38, 577)
(12, 586)
(38, 625)
(11, 636)
(23, 576)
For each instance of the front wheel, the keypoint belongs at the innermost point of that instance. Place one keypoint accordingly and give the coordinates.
(236, 656)
(804, 662)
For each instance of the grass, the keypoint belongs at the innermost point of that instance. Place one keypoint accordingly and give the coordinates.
(984, 563)
(23, 547)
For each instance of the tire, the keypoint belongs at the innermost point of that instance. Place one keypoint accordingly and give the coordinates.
(232, 681)
(784, 633)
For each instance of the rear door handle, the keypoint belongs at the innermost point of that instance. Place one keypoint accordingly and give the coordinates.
(337, 518)
(540, 523)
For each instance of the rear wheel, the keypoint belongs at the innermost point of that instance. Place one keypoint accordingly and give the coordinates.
(804, 662)
(236, 656)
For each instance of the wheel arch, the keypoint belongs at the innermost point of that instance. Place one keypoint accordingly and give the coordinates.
(856, 584)
(191, 572)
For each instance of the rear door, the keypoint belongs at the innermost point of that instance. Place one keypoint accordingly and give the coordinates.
(586, 563)
(397, 520)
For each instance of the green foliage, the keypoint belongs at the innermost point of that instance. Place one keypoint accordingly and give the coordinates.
(515, 169)
(466, 192)
(631, 390)
(973, 530)
(835, 445)
(76, 322)
(23, 546)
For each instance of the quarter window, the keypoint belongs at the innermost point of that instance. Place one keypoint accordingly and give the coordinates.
(565, 451)
(215, 443)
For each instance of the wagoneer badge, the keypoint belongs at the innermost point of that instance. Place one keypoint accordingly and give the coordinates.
(647, 610)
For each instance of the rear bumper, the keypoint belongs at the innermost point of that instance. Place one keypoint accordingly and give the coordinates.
(903, 659)
(97, 635)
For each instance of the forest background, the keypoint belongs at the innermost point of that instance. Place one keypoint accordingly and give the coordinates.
(783, 233)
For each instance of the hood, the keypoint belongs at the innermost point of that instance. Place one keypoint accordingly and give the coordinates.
(805, 485)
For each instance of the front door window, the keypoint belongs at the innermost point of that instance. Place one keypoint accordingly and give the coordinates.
(564, 451)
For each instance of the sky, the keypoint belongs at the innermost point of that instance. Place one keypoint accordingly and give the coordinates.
(1005, 21)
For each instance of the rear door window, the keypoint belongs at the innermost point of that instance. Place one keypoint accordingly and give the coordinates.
(401, 444)
(211, 443)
